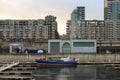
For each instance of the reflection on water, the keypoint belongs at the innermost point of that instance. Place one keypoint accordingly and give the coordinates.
(81, 72)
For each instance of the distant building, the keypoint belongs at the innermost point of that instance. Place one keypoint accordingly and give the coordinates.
(76, 15)
(90, 29)
(99, 30)
(108, 29)
(51, 24)
(96, 29)
(112, 30)
(29, 29)
(72, 46)
(112, 9)
(112, 19)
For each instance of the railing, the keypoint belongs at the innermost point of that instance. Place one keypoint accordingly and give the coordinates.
(83, 58)
(100, 58)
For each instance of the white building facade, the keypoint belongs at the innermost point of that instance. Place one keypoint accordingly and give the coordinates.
(72, 46)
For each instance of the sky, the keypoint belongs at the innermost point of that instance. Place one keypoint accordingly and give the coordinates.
(38, 9)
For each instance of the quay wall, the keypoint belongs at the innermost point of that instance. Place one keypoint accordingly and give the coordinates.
(83, 58)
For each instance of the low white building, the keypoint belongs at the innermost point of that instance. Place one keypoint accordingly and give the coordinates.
(15, 47)
(73, 46)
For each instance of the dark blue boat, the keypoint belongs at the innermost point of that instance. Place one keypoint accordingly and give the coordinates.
(55, 63)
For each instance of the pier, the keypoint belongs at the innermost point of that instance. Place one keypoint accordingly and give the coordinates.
(7, 66)
(22, 71)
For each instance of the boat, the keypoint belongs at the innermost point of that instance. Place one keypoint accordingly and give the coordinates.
(63, 62)
(46, 63)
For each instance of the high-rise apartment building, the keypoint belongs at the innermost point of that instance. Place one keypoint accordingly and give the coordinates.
(51, 24)
(29, 29)
(112, 19)
(112, 9)
(91, 29)
(76, 15)
(112, 30)
(99, 30)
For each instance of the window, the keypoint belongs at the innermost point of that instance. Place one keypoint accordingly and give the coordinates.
(66, 45)
(83, 44)
(55, 44)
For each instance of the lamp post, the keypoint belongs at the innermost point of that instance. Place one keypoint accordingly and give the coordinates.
(111, 45)
(99, 46)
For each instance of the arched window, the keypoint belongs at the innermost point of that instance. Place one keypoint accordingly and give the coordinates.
(66, 47)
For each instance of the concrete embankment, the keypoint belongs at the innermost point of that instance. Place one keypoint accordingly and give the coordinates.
(83, 58)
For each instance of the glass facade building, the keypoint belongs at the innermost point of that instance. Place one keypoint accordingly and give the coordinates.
(112, 9)
(78, 14)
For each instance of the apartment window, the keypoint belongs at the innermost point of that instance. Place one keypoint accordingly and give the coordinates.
(35, 23)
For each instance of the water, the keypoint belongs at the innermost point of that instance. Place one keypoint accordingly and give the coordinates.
(81, 72)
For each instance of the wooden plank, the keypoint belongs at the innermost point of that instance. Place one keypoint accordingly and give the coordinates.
(8, 66)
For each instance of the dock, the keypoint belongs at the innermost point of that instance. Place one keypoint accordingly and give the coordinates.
(22, 66)
(18, 71)
(7, 66)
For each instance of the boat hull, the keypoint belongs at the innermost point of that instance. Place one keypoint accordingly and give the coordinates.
(43, 63)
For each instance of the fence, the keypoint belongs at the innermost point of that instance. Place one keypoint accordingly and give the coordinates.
(83, 58)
